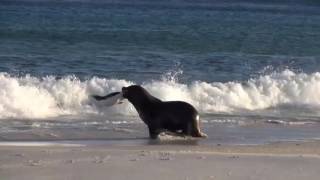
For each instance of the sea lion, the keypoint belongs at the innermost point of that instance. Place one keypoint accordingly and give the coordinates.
(160, 116)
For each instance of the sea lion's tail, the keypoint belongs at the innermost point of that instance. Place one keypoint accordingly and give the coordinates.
(100, 98)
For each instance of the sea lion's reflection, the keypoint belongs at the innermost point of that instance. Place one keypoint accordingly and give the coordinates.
(181, 142)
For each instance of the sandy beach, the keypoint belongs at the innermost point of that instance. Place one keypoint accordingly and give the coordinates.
(77, 161)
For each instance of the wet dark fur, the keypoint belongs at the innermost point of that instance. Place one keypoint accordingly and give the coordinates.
(174, 116)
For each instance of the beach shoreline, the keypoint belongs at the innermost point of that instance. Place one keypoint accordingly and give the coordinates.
(282, 160)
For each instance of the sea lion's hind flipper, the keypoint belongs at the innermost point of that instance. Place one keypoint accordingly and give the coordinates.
(100, 98)
(193, 128)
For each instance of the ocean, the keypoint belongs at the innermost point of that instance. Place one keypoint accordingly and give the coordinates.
(251, 68)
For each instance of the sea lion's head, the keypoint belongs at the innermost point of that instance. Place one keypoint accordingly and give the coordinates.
(135, 93)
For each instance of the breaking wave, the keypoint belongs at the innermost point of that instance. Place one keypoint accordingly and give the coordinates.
(34, 97)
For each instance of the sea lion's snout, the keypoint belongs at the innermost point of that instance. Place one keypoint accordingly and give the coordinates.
(125, 92)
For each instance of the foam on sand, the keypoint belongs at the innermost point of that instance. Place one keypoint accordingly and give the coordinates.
(39, 144)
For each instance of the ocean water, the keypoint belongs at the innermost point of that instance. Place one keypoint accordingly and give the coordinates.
(251, 68)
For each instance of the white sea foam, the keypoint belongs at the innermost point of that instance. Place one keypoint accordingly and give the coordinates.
(31, 97)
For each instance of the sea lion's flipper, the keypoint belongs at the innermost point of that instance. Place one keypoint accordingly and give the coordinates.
(199, 134)
(176, 133)
(193, 128)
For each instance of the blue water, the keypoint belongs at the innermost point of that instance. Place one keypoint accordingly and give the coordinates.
(138, 41)
(236, 61)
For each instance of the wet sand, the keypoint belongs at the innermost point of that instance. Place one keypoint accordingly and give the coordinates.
(168, 159)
